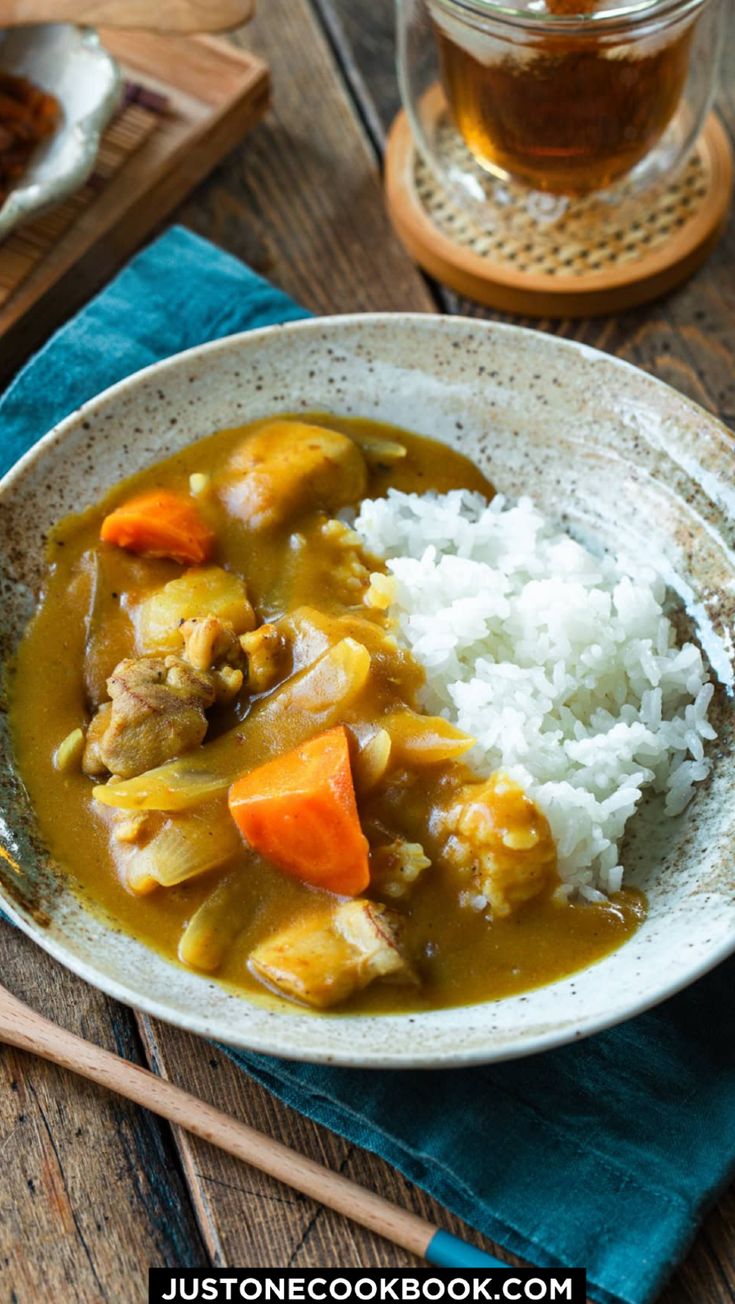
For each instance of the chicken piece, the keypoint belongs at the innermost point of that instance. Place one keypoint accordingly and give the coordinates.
(210, 641)
(265, 649)
(500, 843)
(227, 683)
(397, 866)
(211, 645)
(287, 465)
(316, 698)
(328, 958)
(92, 762)
(374, 932)
(157, 712)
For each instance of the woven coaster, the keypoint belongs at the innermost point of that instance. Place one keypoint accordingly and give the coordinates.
(528, 257)
(137, 119)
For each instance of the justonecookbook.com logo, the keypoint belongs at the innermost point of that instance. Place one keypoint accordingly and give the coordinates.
(367, 1286)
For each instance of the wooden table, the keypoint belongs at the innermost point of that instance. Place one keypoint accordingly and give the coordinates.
(93, 1191)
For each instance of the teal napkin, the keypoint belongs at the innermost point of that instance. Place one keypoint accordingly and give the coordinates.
(602, 1155)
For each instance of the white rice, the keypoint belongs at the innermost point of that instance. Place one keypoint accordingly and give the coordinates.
(563, 665)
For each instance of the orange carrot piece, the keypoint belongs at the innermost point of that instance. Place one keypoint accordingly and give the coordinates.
(299, 811)
(160, 524)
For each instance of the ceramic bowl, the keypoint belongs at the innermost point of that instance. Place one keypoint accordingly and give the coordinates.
(618, 454)
(70, 63)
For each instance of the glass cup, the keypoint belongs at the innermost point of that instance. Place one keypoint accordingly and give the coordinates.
(560, 97)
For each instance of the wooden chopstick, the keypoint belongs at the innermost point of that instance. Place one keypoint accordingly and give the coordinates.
(22, 1027)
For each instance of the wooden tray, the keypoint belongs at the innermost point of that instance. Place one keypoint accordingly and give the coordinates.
(188, 101)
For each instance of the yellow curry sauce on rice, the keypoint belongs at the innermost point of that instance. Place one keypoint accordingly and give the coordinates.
(280, 714)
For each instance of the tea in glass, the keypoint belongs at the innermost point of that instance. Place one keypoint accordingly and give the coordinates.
(567, 106)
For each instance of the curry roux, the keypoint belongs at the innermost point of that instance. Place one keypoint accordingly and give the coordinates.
(460, 956)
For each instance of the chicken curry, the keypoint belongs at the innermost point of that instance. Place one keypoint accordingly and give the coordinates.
(224, 742)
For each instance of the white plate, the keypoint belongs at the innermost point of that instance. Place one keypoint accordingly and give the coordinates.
(623, 455)
(70, 63)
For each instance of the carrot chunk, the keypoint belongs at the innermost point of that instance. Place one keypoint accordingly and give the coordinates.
(160, 524)
(299, 811)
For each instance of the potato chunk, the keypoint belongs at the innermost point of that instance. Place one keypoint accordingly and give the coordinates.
(289, 465)
(500, 843)
(329, 957)
(200, 592)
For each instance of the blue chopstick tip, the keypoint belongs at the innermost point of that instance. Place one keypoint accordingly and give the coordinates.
(447, 1251)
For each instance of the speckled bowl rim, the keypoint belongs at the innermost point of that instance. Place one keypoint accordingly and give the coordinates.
(411, 1056)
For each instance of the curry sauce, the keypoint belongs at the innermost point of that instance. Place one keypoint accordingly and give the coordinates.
(306, 581)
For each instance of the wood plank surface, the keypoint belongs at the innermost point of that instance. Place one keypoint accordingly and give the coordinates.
(91, 1190)
(300, 200)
